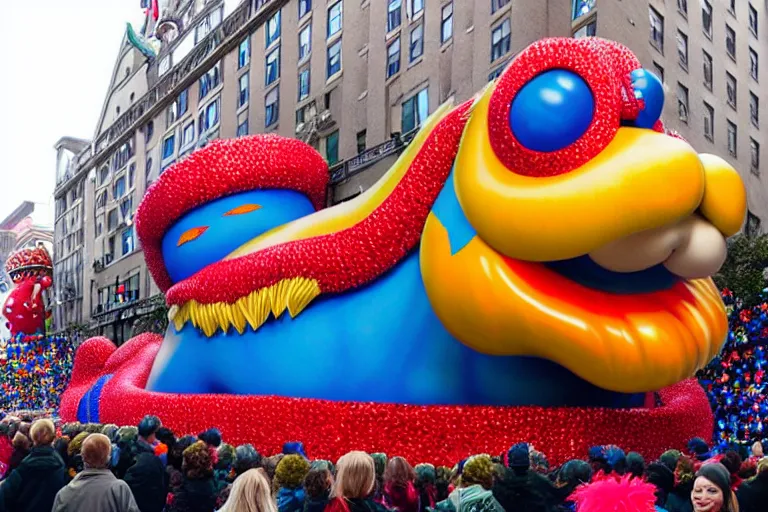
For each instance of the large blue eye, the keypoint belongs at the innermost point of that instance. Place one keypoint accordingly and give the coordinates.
(552, 111)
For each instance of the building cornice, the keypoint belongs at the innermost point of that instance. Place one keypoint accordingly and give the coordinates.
(213, 47)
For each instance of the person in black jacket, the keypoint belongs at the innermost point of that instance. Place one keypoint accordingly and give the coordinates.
(197, 492)
(32, 487)
(148, 482)
(522, 489)
(753, 494)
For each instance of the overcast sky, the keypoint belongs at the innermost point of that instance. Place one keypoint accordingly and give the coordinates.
(56, 59)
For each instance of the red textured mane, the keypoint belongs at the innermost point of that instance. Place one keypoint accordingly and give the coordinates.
(223, 168)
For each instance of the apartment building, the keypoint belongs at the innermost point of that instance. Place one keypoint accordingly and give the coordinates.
(708, 53)
(69, 218)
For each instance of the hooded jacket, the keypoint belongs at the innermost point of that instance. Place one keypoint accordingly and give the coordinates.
(34, 484)
(470, 499)
(95, 490)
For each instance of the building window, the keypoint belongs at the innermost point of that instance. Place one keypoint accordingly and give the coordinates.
(210, 80)
(732, 7)
(209, 117)
(148, 166)
(682, 102)
(334, 18)
(272, 71)
(498, 4)
(361, 141)
(580, 7)
(706, 18)
(272, 107)
(588, 30)
(118, 189)
(732, 138)
(753, 20)
(753, 224)
(754, 155)
(244, 53)
(682, 6)
(394, 14)
(446, 25)
(304, 84)
(500, 40)
(103, 175)
(682, 49)
(659, 71)
(112, 220)
(415, 111)
(657, 29)
(242, 128)
(169, 146)
(304, 7)
(188, 135)
(273, 29)
(171, 114)
(243, 98)
(707, 70)
(208, 24)
(417, 42)
(149, 130)
(753, 69)
(754, 109)
(183, 102)
(128, 241)
(417, 6)
(332, 148)
(709, 121)
(730, 42)
(393, 57)
(334, 59)
(305, 41)
(730, 89)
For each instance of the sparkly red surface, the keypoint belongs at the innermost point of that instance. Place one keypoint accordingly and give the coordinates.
(349, 258)
(436, 434)
(604, 65)
(223, 168)
(37, 258)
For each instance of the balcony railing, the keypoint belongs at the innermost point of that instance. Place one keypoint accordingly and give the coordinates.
(181, 75)
(129, 297)
(367, 158)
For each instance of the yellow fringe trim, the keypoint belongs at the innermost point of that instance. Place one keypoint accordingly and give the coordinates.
(253, 309)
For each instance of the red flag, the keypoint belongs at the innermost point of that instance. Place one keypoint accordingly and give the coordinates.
(155, 10)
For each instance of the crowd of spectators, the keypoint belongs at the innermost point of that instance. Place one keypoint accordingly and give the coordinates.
(106, 468)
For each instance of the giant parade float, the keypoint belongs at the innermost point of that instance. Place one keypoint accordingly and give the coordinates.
(535, 266)
(34, 366)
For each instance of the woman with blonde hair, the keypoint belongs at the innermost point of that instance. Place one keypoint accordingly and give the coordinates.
(250, 493)
(355, 481)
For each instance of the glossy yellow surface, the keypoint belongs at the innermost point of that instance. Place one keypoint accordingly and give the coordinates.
(725, 198)
(620, 343)
(641, 180)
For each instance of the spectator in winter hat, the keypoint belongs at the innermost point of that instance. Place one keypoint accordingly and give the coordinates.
(699, 449)
(289, 475)
(473, 494)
